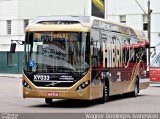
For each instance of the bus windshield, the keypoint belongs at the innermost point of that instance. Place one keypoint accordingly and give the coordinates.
(57, 52)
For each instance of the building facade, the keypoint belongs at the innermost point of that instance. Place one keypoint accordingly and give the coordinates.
(9, 29)
(129, 12)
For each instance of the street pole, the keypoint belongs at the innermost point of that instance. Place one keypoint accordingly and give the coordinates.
(149, 28)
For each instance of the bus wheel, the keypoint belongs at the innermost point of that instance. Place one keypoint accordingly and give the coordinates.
(48, 101)
(136, 89)
(105, 93)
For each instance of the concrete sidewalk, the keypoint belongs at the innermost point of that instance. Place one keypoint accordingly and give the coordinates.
(11, 75)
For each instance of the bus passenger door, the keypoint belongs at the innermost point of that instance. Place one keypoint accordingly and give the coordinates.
(97, 60)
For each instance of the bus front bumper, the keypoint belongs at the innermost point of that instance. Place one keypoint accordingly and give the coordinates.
(55, 94)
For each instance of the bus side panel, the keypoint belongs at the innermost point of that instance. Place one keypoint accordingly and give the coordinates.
(125, 62)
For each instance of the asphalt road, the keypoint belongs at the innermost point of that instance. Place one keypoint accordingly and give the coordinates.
(11, 100)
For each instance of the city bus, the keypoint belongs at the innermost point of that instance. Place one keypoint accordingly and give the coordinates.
(83, 57)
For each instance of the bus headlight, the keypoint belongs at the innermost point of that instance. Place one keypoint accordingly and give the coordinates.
(26, 85)
(83, 85)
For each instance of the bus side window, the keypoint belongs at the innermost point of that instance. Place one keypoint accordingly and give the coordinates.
(95, 55)
(101, 53)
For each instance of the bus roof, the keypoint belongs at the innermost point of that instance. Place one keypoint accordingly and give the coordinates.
(80, 23)
(83, 20)
(71, 28)
(116, 27)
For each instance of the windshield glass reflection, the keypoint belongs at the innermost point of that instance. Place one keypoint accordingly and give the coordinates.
(57, 52)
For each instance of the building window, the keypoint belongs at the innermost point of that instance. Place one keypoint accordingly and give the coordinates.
(9, 26)
(145, 23)
(26, 22)
(9, 58)
(123, 19)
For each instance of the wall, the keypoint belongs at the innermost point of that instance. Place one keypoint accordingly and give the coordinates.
(33, 8)
(134, 15)
(16, 67)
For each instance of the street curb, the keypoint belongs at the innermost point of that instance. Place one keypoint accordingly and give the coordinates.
(11, 76)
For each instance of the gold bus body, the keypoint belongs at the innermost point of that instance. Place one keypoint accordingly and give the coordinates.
(90, 92)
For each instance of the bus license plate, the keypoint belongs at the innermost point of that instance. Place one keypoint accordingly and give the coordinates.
(53, 94)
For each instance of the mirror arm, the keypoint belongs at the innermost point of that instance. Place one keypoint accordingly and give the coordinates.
(153, 47)
(20, 42)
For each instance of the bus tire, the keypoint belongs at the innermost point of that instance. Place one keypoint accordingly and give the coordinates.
(136, 89)
(105, 97)
(48, 101)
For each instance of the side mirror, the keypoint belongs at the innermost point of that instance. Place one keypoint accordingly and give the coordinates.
(13, 48)
(13, 45)
(147, 45)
